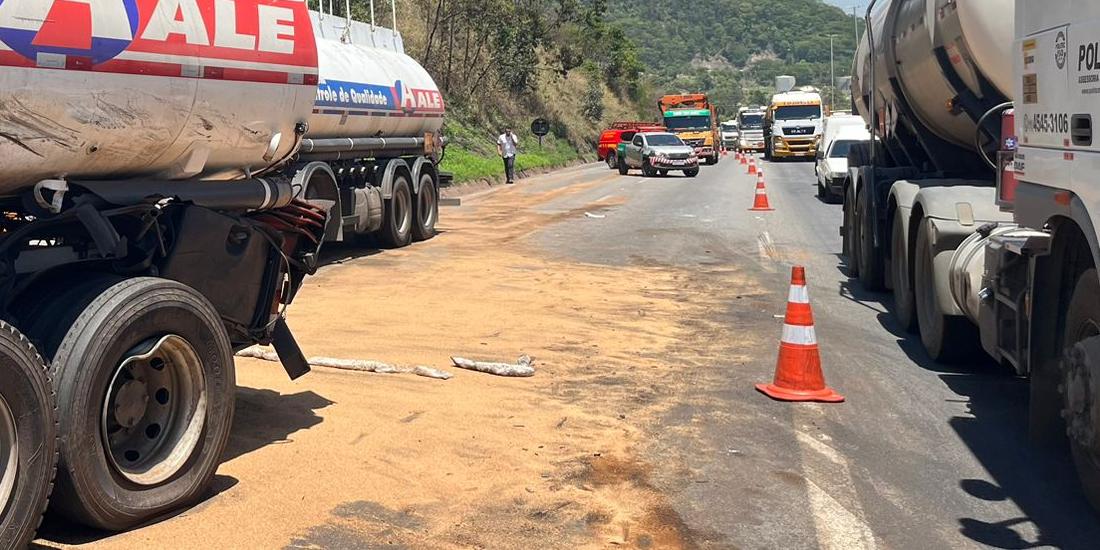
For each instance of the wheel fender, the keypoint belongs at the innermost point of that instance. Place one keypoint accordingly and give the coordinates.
(1036, 206)
(304, 178)
(389, 174)
(420, 167)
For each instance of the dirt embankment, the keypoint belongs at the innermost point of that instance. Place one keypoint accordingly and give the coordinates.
(348, 460)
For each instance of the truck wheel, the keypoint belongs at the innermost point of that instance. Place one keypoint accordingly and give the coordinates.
(145, 384)
(900, 277)
(28, 438)
(691, 172)
(848, 234)
(663, 173)
(871, 263)
(647, 168)
(1081, 386)
(946, 338)
(427, 209)
(623, 167)
(398, 219)
(612, 160)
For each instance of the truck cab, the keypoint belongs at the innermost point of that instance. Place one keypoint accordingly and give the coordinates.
(793, 125)
(730, 134)
(751, 122)
(694, 119)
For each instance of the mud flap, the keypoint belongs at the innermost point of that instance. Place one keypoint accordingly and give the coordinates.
(290, 355)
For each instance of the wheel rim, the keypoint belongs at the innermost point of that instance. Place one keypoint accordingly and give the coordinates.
(401, 212)
(9, 455)
(611, 160)
(155, 410)
(427, 205)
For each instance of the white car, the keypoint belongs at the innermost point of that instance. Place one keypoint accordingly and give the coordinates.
(832, 162)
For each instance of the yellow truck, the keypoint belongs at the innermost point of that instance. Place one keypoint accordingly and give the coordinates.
(695, 121)
(793, 125)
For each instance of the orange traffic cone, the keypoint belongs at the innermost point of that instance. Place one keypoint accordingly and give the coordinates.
(760, 203)
(752, 166)
(742, 159)
(798, 375)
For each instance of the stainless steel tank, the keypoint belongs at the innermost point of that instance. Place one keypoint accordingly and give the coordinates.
(213, 91)
(973, 36)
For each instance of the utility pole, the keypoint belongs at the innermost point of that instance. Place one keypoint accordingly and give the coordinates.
(855, 28)
(832, 75)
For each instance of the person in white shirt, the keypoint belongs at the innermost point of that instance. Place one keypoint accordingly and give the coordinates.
(507, 146)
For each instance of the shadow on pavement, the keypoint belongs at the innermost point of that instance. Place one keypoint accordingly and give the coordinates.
(266, 417)
(261, 418)
(58, 530)
(1040, 481)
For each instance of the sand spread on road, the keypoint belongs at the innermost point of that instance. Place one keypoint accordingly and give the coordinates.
(354, 460)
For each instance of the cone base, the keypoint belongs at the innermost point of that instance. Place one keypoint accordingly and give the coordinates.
(761, 210)
(826, 395)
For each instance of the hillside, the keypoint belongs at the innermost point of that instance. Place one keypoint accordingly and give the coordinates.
(585, 63)
(735, 48)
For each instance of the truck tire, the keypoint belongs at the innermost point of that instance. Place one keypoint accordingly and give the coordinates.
(848, 234)
(946, 338)
(153, 355)
(28, 438)
(871, 262)
(647, 168)
(612, 160)
(1081, 386)
(623, 168)
(900, 277)
(691, 172)
(397, 221)
(427, 209)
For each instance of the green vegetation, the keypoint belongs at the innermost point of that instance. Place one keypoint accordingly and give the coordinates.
(583, 64)
(477, 159)
(734, 49)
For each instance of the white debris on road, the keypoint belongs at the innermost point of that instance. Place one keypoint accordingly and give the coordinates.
(357, 365)
(523, 367)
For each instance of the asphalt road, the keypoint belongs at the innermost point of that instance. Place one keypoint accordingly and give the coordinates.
(921, 455)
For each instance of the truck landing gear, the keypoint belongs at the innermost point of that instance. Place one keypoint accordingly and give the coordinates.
(146, 384)
(1081, 386)
(28, 439)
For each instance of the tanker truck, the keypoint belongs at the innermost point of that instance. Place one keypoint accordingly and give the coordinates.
(170, 171)
(979, 218)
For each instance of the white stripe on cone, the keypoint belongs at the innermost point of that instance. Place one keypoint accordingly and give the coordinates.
(799, 295)
(794, 334)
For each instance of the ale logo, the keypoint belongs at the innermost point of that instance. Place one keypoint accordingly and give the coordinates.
(95, 29)
(404, 98)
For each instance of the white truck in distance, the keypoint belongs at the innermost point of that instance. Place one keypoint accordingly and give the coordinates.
(170, 172)
(980, 220)
(751, 123)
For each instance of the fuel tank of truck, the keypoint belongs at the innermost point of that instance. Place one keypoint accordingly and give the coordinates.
(178, 89)
(368, 87)
(166, 88)
(914, 41)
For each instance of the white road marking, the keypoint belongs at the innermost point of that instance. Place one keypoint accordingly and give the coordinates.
(837, 512)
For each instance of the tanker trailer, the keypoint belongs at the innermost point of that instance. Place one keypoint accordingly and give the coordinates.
(927, 79)
(170, 170)
(990, 210)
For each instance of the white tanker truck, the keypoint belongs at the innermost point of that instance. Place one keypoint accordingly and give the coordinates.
(169, 170)
(982, 219)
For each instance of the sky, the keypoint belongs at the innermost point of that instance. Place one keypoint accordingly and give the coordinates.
(846, 5)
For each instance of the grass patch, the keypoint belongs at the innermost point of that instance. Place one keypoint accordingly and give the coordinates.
(470, 159)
